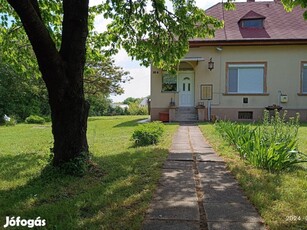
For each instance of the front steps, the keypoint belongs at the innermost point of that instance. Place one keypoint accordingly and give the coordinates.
(186, 114)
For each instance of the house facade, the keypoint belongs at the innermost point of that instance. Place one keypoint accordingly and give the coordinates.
(257, 61)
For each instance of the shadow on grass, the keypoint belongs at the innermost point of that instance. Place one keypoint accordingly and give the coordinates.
(303, 124)
(19, 165)
(135, 123)
(129, 123)
(114, 199)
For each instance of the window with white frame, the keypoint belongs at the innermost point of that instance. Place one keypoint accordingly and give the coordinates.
(304, 78)
(246, 78)
(169, 82)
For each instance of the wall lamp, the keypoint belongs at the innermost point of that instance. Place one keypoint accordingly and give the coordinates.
(210, 64)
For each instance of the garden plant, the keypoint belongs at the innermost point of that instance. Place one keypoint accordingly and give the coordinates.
(272, 145)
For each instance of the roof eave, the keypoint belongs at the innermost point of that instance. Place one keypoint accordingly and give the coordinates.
(248, 42)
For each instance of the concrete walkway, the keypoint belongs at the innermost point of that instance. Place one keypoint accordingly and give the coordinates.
(197, 192)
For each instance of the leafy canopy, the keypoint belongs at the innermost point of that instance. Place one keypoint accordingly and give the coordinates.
(147, 29)
(290, 4)
(101, 74)
(151, 31)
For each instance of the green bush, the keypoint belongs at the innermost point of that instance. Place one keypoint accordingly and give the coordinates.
(271, 145)
(11, 122)
(135, 109)
(34, 119)
(148, 134)
(47, 118)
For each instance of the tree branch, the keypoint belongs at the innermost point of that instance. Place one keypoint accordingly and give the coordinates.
(38, 34)
(74, 34)
(36, 8)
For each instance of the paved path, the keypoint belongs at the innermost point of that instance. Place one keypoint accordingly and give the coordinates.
(197, 192)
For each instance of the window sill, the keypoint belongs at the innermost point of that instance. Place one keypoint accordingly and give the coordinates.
(246, 94)
(302, 94)
(169, 91)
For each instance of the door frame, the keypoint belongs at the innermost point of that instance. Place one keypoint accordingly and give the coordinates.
(192, 76)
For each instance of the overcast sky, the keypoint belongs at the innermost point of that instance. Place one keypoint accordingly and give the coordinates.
(140, 85)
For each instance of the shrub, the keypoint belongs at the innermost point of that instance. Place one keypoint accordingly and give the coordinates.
(148, 134)
(135, 109)
(34, 119)
(47, 118)
(11, 122)
(271, 145)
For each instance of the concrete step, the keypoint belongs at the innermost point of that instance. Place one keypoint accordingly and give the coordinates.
(186, 110)
(186, 114)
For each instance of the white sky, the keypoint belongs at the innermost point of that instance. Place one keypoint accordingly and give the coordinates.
(140, 85)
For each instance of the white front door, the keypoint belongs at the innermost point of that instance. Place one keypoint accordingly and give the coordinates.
(186, 89)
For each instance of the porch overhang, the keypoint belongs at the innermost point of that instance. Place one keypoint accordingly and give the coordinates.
(192, 59)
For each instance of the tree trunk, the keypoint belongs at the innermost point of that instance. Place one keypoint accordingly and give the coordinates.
(69, 113)
(62, 72)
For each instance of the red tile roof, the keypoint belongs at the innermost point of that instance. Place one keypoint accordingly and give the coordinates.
(278, 24)
(252, 15)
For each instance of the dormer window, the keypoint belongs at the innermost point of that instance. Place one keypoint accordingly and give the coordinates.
(252, 20)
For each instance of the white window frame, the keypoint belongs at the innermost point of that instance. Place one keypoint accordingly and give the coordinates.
(245, 84)
(303, 67)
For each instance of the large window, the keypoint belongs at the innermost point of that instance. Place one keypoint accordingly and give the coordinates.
(169, 82)
(246, 78)
(304, 78)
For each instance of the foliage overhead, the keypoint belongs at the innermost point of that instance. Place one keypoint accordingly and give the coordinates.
(151, 31)
(101, 74)
(290, 4)
(148, 30)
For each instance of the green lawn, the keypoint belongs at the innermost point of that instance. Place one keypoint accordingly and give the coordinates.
(280, 198)
(113, 195)
(116, 193)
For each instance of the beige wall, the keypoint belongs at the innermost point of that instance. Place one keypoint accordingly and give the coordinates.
(283, 73)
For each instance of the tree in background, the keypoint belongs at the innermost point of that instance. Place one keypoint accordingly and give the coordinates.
(129, 100)
(100, 104)
(136, 109)
(102, 78)
(134, 106)
(58, 35)
(21, 97)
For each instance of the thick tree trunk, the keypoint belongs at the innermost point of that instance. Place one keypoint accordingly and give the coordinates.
(62, 72)
(69, 111)
(69, 114)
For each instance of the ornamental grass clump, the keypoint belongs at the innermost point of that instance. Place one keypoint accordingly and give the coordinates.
(148, 134)
(272, 145)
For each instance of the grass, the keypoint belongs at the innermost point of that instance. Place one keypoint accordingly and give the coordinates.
(113, 195)
(281, 198)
